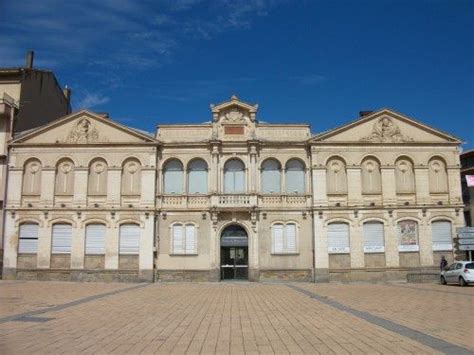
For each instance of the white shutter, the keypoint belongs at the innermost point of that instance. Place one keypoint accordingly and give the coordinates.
(441, 235)
(338, 238)
(95, 239)
(374, 237)
(28, 238)
(190, 242)
(290, 230)
(178, 240)
(62, 239)
(278, 238)
(129, 239)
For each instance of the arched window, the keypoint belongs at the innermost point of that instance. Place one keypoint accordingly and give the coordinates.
(131, 177)
(129, 242)
(338, 238)
(374, 241)
(336, 176)
(408, 235)
(173, 177)
(284, 238)
(28, 238)
(405, 176)
(371, 177)
(183, 239)
(295, 179)
(441, 235)
(95, 239)
(61, 239)
(98, 178)
(65, 178)
(438, 176)
(234, 176)
(197, 177)
(271, 176)
(32, 178)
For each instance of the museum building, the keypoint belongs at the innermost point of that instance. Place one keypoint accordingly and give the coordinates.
(234, 198)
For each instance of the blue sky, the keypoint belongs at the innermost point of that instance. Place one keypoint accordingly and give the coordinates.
(317, 62)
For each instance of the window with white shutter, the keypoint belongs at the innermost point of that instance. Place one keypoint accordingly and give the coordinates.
(271, 176)
(284, 238)
(62, 239)
(374, 241)
(183, 239)
(441, 235)
(173, 176)
(95, 239)
(234, 176)
(28, 243)
(338, 238)
(129, 242)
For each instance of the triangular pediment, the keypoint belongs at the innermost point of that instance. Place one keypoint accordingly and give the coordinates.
(234, 111)
(83, 127)
(385, 127)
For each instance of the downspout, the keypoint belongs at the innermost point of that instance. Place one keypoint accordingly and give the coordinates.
(313, 236)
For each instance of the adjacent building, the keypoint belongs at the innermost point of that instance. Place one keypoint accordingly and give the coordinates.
(234, 198)
(29, 98)
(467, 172)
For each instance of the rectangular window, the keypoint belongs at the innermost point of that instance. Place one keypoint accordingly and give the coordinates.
(408, 236)
(28, 239)
(374, 237)
(95, 239)
(284, 238)
(441, 235)
(62, 239)
(129, 242)
(184, 239)
(338, 238)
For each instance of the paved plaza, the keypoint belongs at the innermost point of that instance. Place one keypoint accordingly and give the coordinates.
(67, 318)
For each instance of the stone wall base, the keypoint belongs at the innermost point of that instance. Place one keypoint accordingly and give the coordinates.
(84, 275)
(305, 275)
(187, 275)
(384, 275)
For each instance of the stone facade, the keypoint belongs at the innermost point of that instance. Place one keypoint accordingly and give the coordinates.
(302, 202)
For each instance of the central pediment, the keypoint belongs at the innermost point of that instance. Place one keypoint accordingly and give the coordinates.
(234, 111)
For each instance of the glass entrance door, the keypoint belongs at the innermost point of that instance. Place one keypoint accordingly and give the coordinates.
(234, 263)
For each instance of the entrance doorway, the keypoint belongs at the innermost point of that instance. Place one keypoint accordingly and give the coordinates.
(234, 253)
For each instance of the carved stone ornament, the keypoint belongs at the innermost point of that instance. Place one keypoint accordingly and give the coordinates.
(385, 130)
(234, 116)
(83, 133)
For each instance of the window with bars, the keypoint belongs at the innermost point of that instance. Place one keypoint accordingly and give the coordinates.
(284, 238)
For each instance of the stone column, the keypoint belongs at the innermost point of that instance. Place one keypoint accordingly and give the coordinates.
(319, 186)
(454, 185)
(114, 186)
(354, 186)
(111, 247)
(14, 190)
(425, 242)
(47, 186)
(357, 246)
(11, 248)
(43, 259)
(422, 185)
(321, 255)
(253, 169)
(389, 195)
(282, 182)
(78, 246)
(147, 236)
(392, 257)
(80, 186)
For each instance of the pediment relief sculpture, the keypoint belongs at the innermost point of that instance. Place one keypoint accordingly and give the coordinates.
(233, 116)
(83, 133)
(385, 130)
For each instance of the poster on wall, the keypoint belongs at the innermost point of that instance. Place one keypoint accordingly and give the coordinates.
(408, 236)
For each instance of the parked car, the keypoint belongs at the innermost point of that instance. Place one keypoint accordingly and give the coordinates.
(461, 272)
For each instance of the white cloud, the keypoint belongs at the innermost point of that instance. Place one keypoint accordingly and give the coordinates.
(92, 100)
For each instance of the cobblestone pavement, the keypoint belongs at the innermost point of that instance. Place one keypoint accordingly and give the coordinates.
(60, 317)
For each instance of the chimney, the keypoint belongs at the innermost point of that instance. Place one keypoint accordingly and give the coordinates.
(67, 94)
(30, 55)
(364, 113)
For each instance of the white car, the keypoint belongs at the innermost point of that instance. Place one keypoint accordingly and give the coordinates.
(461, 272)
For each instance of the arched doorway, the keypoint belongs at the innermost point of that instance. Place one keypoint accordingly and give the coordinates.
(234, 253)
